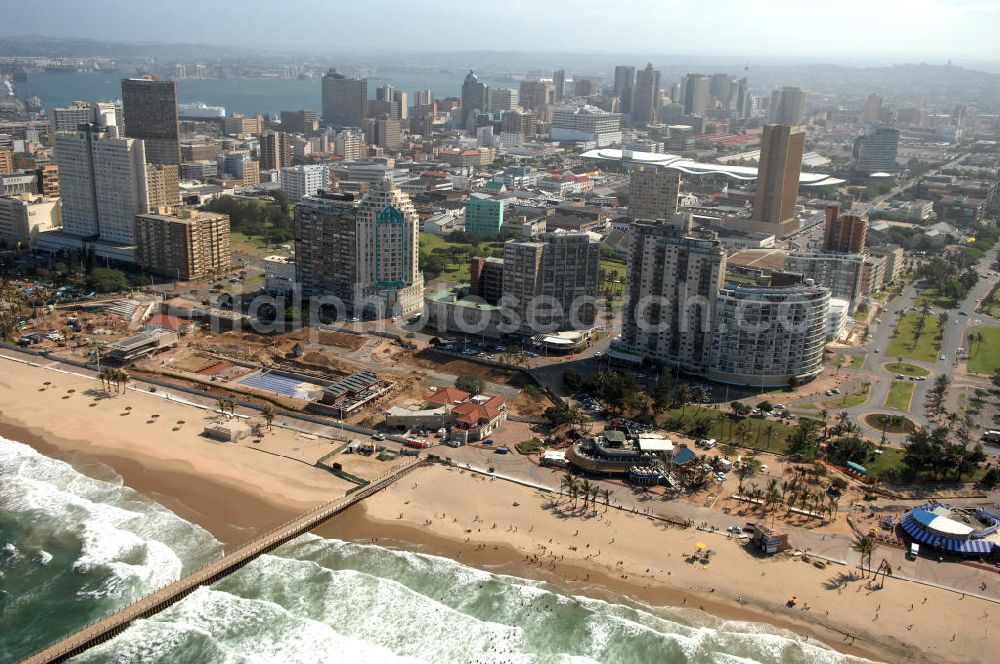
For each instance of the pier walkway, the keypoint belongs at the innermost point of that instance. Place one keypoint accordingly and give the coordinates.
(107, 628)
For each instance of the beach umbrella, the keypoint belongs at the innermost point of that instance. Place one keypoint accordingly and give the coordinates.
(699, 545)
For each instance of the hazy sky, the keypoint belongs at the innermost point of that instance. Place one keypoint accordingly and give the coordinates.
(809, 29)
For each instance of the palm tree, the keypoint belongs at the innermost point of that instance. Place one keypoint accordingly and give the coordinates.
(586, 486)
(606, 493)
(567, 483)
(864, 545)
(595, 493)
(834, 505)
(221, 403)
(268, 414)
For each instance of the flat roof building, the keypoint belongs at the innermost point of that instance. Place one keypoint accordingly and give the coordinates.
(183, 243)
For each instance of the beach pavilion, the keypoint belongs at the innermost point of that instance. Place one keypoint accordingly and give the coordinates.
(961, 532)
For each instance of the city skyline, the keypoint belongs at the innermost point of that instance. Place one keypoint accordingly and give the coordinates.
(583, 27)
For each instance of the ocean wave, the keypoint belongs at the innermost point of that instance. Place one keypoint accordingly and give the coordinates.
(317, 599)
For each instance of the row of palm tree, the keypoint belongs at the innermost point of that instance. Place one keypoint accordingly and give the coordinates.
(117, 377)
(589, 491)
(790, 493)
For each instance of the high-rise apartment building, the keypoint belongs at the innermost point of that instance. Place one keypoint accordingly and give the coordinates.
(625, 86)
(102, 183)
(6, 160)
(483, 215)
(301, 181)
(47, 178)
(876, 150)
(183, 243)
(674, 277)
(388, 246)
(788, 106)
(475, 98)
(695, 94)
(150, 114)
(68, 118)
(162, 186)
(778, 176)
(326, 247)
(347, 144)
(299, 122)
(551, 285)
(276, 149)
(345, 100)
(841, 273)
(523, 123)
(486, 278)
(646, 103)
(768, 337)
(653, 193)
(559, 82)
(844, 233)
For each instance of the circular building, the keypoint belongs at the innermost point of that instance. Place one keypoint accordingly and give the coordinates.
(969, 532)
(766, 337)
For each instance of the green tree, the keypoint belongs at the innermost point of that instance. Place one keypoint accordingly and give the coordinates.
(470, 383)
(106, 280)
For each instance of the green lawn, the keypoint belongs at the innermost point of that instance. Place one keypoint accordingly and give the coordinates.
(934, 299)
(852, 361)
(724, 429)
(904, 343)
(906, 369)
(614, 267)
(252, 245)
(861, 313)
(984, 357)
(457, 254)
(891, 458)
(839, 402)
(900, 394)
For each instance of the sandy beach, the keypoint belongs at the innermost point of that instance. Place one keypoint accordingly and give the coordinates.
(231, 490)
(454, 513)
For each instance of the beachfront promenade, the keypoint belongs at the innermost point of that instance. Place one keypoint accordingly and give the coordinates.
(109, 627)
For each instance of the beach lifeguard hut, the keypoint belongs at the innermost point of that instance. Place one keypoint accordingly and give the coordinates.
(769, 540)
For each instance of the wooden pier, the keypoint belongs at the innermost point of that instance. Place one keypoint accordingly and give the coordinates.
(107, 628)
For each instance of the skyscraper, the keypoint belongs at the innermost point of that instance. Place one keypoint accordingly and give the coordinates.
(326, 247)
(275, 150)
(844, 233)
(536, 94)
(625, 86)
(183, 243)
(150, 114)
(475, 98)
(388, 250)
(788, 106)
(102, 183)
(873, 109)
(721, 88)
(876, 150)
(345, 100)
(559, 81)
(695, 93)
(646, 105)
(674, 277)
(778, 176)
(653, 193)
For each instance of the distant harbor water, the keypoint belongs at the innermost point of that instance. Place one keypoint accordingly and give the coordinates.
(74, 548)
(251, 96)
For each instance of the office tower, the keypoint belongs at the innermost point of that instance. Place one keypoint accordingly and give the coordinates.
(778, 176)
(6, 160)
(24, 216)
(162, 186)
(844, 233)
(721, 88)
(486, 278)
(299, 122)
(653, 193)
(240, 166)
(200, 150)
(183, 243)
(150, 114)
(400, 100)
(68, 118)
(788, 106)
(873, 109)
(347, 144)
(876, 150)
(483, 215)
(646, 105)
(768, 337)
(241, 125)
(536, 94)
(516, 122)
(475, 98)
(522, 280)
(275, 150)
(559, 83)
(743, 99)
(326, 247)
(47, 178)
(625, 86)
(423, 98)
(388, 247)
(584, 87)
(586, 123)
(503, 99)
(102, 183)
(673, 280)
(301, 181)
(384, 132)
(345, 100)
(695, 93)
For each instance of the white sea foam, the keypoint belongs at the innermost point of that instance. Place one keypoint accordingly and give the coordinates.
(141, 544)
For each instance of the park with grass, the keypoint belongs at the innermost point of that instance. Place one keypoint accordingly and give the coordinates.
(906, 369)
(917, 336)
(984, 350)
(851, 361)
(900, 395)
